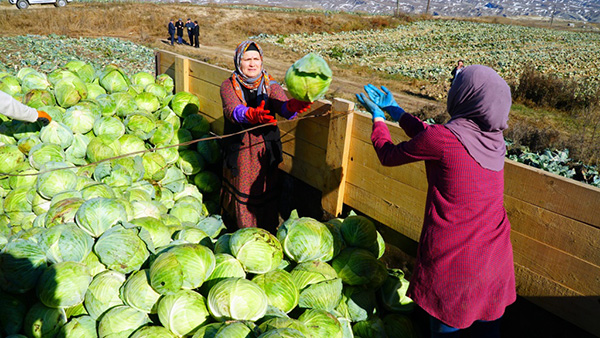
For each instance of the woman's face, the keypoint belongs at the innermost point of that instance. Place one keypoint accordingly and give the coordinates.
(251, 64)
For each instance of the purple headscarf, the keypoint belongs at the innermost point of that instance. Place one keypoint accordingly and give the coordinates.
(479, 102)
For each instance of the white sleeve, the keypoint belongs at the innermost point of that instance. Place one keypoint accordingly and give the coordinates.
(14, 109)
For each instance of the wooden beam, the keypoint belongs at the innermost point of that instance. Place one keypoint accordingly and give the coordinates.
(338, 149)
(182, 74)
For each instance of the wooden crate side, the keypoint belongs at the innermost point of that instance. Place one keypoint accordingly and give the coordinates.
(209, 73)
(557, 265)
(563, 233)
(393, 215)
(303, 171)
(566, 303)
(308, 130)
(302, 150)
(563, 196)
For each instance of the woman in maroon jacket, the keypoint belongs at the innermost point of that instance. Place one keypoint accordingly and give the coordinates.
(464, 273)
(252, 97)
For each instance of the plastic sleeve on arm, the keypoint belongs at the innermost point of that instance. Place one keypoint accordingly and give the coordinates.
(239, 114)
(14, 109)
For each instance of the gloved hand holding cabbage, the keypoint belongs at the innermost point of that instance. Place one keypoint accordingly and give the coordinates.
(307, 80)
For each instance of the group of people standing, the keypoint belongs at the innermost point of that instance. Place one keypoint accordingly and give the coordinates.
(178, 27)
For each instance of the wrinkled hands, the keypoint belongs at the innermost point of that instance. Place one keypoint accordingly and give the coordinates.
(43, 118)
(260, 115)
(383, 99)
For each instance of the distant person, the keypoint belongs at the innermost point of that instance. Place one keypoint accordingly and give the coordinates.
(196, 34)
(464, 270)
(179, 26)
(189, 25)
(171, 32)
(15, 110)
(459, 66)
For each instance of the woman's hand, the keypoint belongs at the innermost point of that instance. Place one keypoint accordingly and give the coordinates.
(297, 106)
(260, 115)
(371, 106)
(384, 99)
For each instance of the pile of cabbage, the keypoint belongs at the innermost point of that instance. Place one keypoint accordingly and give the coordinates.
(108, 228)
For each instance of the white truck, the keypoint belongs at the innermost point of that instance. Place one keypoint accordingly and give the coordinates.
(23, 4)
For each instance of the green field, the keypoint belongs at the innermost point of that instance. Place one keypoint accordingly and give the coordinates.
(427, 50)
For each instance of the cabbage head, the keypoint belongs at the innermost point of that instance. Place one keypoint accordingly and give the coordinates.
(184, 104)
(142, 79)
(184, 266)
(63, 284)
(37, 98)
(10, 157)
(137, 292)
(166, 81)
(114, 79)
(305, 239)
(183, 312)
(359, 231)
(66, 242)
(103, 293)
(11, 85)
(257, 249)
(42, 321)
(308, 79)
(280, 289)
(226, 266)
(149, 331)
(80, 119)
(57, 133)
(45, 152)
(237, 299)
(70, 91)
(321, 323)
(121, 321)
(357, 266)
(97, 215)
(84, 70)
(121, 249)
(83, 326)
(147, 102)
(23, 261)
(54, 178)
(110, 126)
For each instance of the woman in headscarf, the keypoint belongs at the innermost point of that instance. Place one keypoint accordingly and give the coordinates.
(252, 97)
(464, 273)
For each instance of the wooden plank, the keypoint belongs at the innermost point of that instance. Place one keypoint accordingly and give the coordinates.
(308, 130)
(182, 74)
(565, 234)
(570, 305)
(556, 265)
(339, 139)
(303, 171)
(561, 195)
(206, 89)
(209, 73)
(306, 152)
(395, 216)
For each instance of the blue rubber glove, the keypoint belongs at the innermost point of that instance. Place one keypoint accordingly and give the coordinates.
(370, 106)
(385, 100)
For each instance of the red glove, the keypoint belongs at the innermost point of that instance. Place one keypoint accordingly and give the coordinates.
(298, 106)
(260, 115)
(43, 117)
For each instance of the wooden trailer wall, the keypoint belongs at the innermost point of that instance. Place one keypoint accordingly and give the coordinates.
(555, 221)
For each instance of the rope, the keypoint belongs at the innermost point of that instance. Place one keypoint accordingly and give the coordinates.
(319, 112)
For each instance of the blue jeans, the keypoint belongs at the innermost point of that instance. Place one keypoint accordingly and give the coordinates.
(479, 329)
(179, 39)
